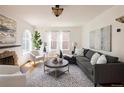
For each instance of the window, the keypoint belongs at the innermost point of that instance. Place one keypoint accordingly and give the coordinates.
(26, 42)
(65, 40)
(59, 40)
(53, 40)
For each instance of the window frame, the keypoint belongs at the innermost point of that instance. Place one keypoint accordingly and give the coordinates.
(27, 37)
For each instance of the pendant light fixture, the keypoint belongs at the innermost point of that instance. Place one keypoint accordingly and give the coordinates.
(57, 10)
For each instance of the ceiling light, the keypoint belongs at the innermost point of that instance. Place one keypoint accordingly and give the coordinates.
(120, 19)
(57, 11)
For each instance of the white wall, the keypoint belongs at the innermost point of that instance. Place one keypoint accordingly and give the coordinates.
(75, 34)
(21, 27)
(108, 18)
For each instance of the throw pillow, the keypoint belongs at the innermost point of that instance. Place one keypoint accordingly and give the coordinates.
(102, 60)
(94, 58)
(85, 51)
(79, 52)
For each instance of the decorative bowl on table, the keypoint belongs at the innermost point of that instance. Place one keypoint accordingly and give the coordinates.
(55, 61)
(60, 60)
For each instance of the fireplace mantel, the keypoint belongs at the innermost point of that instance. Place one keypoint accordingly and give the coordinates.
(9, 46)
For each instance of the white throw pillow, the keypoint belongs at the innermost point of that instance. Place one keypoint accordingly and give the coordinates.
(79, 52)
(102, 60)
(94, 58)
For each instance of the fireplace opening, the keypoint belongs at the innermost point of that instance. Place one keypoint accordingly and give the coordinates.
(8, 58)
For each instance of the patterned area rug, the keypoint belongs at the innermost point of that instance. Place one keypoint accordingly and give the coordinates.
(75, 78)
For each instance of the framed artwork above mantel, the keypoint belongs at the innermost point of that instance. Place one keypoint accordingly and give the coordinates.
(7, 30)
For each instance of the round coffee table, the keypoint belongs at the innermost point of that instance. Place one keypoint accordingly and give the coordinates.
(56, 68)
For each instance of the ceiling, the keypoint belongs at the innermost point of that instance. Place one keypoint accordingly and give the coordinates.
(41, 15)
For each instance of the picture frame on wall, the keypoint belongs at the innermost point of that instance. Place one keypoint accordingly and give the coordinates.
(101, 39)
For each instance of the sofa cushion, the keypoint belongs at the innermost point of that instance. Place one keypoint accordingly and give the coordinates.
(82, 59)
(88, 67)
(89, 54)
(111, 59)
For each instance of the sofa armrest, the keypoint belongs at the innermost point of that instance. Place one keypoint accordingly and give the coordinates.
(109, 73)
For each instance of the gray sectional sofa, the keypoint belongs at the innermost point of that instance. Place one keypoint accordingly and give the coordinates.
(112, 72)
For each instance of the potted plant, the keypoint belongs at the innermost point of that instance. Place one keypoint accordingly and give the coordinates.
(37, 42)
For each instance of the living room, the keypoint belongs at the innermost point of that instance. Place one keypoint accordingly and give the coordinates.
(72, 40)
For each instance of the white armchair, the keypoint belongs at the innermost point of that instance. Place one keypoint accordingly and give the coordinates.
(10, 76)
(36, 56)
